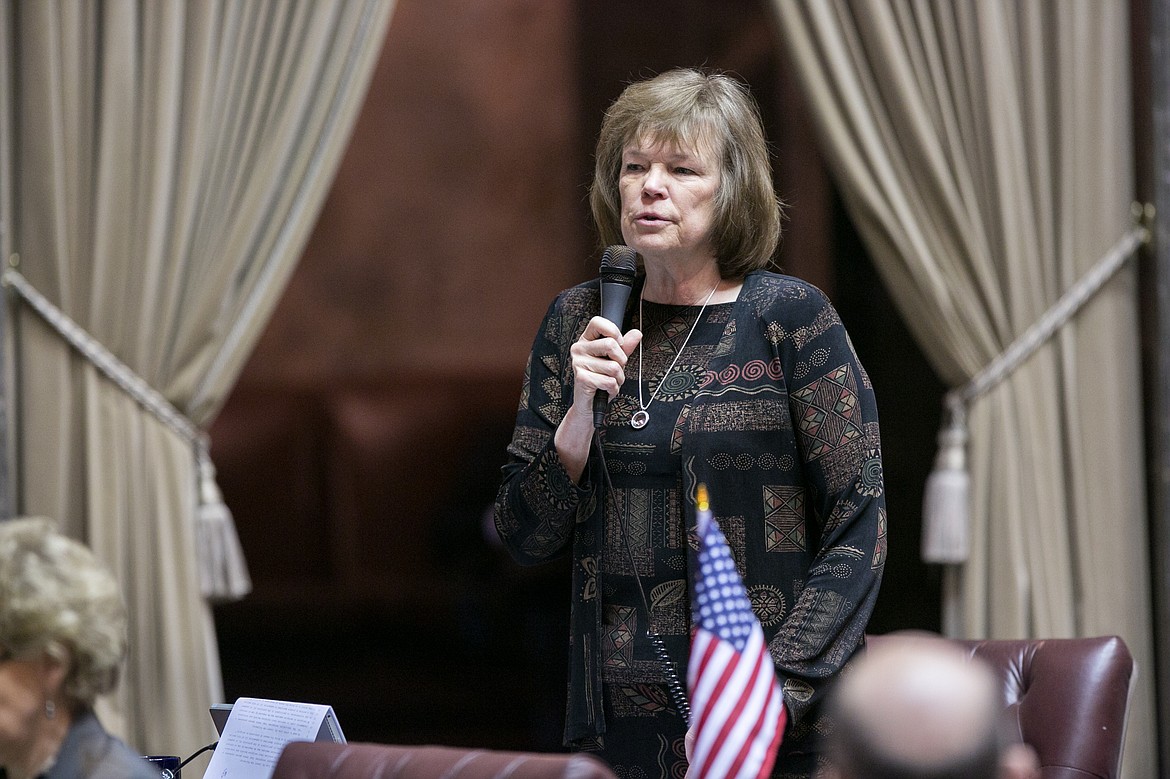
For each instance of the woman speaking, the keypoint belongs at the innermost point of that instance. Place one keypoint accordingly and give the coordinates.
(722, 373)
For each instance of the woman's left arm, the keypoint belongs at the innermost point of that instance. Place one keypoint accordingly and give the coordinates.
(834, 421)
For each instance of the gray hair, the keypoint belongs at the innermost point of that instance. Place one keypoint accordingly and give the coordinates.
(56, 595)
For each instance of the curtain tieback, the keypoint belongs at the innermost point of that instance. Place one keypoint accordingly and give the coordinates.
(223, 572)
(946, 534)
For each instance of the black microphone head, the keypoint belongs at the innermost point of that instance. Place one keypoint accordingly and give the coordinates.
(618, 267)
(619, 263)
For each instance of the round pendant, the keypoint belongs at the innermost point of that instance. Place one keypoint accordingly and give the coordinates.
(639, 419)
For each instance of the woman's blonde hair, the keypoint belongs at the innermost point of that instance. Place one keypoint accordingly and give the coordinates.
(688, 107)
(54, 595)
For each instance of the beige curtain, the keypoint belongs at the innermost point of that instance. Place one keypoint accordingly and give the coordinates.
(168, 159)
(984, 150)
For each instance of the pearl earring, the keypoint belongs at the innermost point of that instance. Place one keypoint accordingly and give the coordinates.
(50, 710)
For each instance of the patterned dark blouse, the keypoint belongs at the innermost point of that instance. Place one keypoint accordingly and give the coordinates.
(770, 408)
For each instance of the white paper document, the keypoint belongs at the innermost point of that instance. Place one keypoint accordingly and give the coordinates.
(258, 729)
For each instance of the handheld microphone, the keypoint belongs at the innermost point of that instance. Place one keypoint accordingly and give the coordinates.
(618, 266)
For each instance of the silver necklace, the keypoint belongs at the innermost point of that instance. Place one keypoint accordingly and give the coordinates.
(641, 417)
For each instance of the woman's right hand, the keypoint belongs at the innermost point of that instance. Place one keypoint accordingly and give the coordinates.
(599, 359)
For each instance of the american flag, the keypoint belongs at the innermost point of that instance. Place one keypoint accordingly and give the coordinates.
(737, 713)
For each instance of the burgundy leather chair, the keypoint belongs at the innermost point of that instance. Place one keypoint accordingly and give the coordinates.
(1068, 697)
(326, 760)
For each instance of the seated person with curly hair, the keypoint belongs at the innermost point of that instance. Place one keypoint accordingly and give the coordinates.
(62, 642)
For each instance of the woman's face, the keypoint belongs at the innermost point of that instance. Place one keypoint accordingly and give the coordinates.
(668, 198)
(22, 705)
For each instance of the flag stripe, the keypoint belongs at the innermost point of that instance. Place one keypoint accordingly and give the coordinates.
(751, 695)
(725, 722)
(737, 712)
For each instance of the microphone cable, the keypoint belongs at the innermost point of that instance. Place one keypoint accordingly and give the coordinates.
(194, 755)
(673, 684)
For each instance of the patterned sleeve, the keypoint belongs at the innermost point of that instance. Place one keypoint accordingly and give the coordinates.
(834, 418)
(537, 505)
